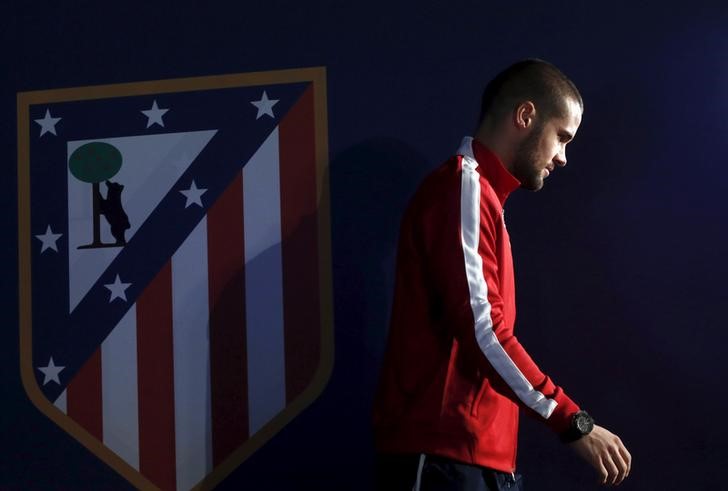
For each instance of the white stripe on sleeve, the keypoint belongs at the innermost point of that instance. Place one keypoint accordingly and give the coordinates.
(487, 340)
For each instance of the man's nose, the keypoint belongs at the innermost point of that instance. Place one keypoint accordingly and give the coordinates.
(560, 159)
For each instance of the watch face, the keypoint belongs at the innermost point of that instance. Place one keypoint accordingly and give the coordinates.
(584, 423)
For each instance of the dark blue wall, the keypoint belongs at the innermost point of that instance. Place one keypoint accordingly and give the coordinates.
(619, 260)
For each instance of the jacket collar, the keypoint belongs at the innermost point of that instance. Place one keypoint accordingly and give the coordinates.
(481, 158)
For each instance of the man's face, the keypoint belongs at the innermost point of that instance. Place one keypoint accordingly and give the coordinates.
(545, 147)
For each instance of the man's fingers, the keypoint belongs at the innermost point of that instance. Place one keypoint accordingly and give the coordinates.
(607, 454)
(612, 470)
(619, 462)
(626, 456)
(603, 474)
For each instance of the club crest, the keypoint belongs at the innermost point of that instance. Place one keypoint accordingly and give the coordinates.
(175, 270)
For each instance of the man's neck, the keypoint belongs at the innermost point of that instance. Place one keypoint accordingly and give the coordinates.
(498, 143)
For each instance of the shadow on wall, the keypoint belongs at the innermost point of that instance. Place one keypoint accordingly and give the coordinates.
(371, 184)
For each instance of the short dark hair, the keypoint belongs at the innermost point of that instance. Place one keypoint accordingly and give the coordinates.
(529, 80)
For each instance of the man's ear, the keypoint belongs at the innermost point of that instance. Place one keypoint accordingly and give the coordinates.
(525, 115)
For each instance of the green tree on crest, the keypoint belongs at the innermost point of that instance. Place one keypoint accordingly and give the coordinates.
(92, 163)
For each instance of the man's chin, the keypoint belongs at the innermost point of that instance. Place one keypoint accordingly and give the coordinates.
(534, 184)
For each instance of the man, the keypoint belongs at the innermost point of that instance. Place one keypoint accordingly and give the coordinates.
(454, 375)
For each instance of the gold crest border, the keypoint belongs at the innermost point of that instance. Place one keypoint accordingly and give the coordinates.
(316, 75)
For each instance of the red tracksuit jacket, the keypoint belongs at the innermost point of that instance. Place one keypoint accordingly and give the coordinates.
(454, 374)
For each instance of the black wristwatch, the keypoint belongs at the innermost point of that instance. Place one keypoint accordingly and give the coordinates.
(581, 424)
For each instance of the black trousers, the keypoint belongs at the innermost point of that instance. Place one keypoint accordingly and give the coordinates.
(434, 473)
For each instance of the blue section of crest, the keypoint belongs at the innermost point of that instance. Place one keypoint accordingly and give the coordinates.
(71, 338)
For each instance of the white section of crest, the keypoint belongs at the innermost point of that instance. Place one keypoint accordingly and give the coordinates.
(61, 402)
(192, 412)
(264, 285)
(484, 333)
(151, 167)
(119, 392)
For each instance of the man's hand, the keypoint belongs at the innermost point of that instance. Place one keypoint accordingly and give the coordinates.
(606, 453)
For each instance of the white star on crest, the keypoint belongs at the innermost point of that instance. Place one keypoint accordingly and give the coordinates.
(47, 124)
(154, 115)
(265, 106)
(50, 372)
(193, 195)
(117, 289)
(49, 240)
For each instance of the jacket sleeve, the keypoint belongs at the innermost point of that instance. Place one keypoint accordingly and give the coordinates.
(482, 326)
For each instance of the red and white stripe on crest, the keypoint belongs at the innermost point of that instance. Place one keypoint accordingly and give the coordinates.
(228, 332)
